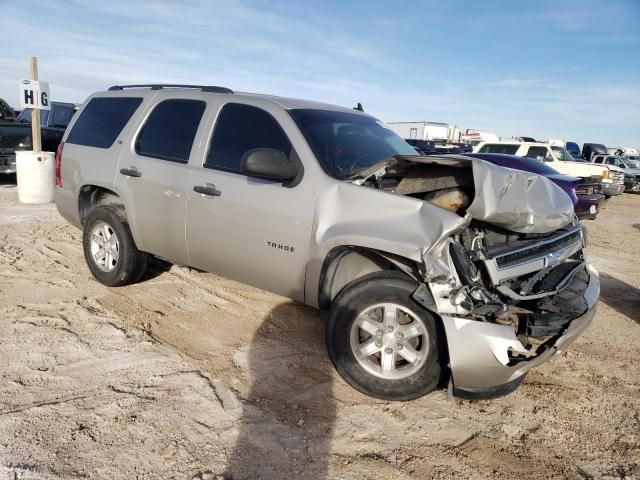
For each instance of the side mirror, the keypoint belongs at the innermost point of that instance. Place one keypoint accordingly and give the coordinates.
(269, 163)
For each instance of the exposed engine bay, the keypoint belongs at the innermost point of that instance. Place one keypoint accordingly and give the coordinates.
(530, 275)
(534, 283)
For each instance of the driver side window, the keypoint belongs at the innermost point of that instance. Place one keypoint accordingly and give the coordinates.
(240, 128)
(539, 153)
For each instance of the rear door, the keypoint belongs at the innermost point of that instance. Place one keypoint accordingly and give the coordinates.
(153, 174)
(254, 230)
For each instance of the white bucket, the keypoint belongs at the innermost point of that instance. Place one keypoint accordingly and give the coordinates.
(36, 176)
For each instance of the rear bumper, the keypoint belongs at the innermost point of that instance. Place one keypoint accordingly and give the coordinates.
(611, 189)
(67, 205)
(479, 351)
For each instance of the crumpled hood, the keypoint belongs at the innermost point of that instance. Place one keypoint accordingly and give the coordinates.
(519, 201)
(515, 200)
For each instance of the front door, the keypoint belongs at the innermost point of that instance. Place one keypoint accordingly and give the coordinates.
(248, 229)
(153, 176)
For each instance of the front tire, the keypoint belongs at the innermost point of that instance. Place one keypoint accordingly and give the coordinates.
(381, 341)
(109, 249)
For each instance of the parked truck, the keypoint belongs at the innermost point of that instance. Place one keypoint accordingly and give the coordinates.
(421, 130)
(13, 136)
(15, 131)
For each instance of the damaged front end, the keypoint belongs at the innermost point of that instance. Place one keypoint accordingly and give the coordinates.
(510, 280)
(509, 301)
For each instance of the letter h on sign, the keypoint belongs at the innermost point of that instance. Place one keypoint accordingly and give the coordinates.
(34, 94)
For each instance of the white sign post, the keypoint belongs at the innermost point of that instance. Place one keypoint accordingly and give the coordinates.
(34, 94)
(35, 170)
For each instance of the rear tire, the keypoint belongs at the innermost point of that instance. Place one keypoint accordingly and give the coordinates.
(381, 341)
(109, 249)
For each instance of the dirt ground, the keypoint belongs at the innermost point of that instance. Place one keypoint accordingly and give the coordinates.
(190, 376)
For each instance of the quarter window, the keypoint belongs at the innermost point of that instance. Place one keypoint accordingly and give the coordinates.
(499, 148)
(102, 120)
(240, 128)
(169, 131)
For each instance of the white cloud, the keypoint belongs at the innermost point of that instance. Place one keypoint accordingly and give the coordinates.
(293, 51)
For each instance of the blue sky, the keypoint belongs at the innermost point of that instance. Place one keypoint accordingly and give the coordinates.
(544, 68)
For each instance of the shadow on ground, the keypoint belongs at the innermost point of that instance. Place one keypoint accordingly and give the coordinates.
(289, 412)
(620, 296)
(155, 268)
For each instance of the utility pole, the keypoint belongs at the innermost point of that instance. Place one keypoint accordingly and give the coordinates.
(35, 113)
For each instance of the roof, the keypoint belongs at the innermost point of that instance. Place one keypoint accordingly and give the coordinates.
(283, 102)
(534, 144)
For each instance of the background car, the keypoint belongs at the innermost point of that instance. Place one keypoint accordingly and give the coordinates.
(586, 197)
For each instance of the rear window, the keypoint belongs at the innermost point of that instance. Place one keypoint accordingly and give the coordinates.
(102, 120)
(498, 148)
(169, 131)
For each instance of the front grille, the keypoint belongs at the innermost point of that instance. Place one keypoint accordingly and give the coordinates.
(617, 177)
(584, 190)
(538, 250)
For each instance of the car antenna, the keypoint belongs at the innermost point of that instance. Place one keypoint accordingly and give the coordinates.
(359, 107)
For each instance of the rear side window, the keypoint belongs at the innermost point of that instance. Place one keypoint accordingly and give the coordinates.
(61, 117)
(240, 128)
(102, 120)
(169, 131)
(497, 148)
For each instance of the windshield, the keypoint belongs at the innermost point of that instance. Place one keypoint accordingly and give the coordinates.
(5, 110)
(561, 153)
(632, 163)
(347, 143)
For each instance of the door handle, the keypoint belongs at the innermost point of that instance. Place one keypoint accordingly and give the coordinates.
(130, 172)
(209, 190)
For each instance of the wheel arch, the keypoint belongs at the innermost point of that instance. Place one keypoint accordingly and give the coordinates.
(91, 195)
(346, 263)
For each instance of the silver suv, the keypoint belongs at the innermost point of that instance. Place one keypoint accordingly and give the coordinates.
(433, 269)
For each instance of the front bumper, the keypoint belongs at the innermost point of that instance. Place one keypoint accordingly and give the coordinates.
(611, 189)
(479, 351)
(589, 205)
(8, 163)
(632, 187)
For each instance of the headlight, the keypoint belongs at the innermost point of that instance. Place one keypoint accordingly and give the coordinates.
(605, 174)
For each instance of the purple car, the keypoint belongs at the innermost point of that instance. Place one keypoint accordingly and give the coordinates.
(586, 197)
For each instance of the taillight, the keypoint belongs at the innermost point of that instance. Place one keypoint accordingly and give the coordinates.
(59, 164)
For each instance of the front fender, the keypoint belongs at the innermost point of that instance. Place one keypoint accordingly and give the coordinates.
(351, 215)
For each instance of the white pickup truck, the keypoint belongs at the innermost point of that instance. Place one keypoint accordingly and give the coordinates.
(557, 157)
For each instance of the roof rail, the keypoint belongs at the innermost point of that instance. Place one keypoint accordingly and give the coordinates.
(159, 86)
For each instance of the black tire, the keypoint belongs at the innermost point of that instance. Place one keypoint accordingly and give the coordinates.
(131, 263)
(372, 289)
